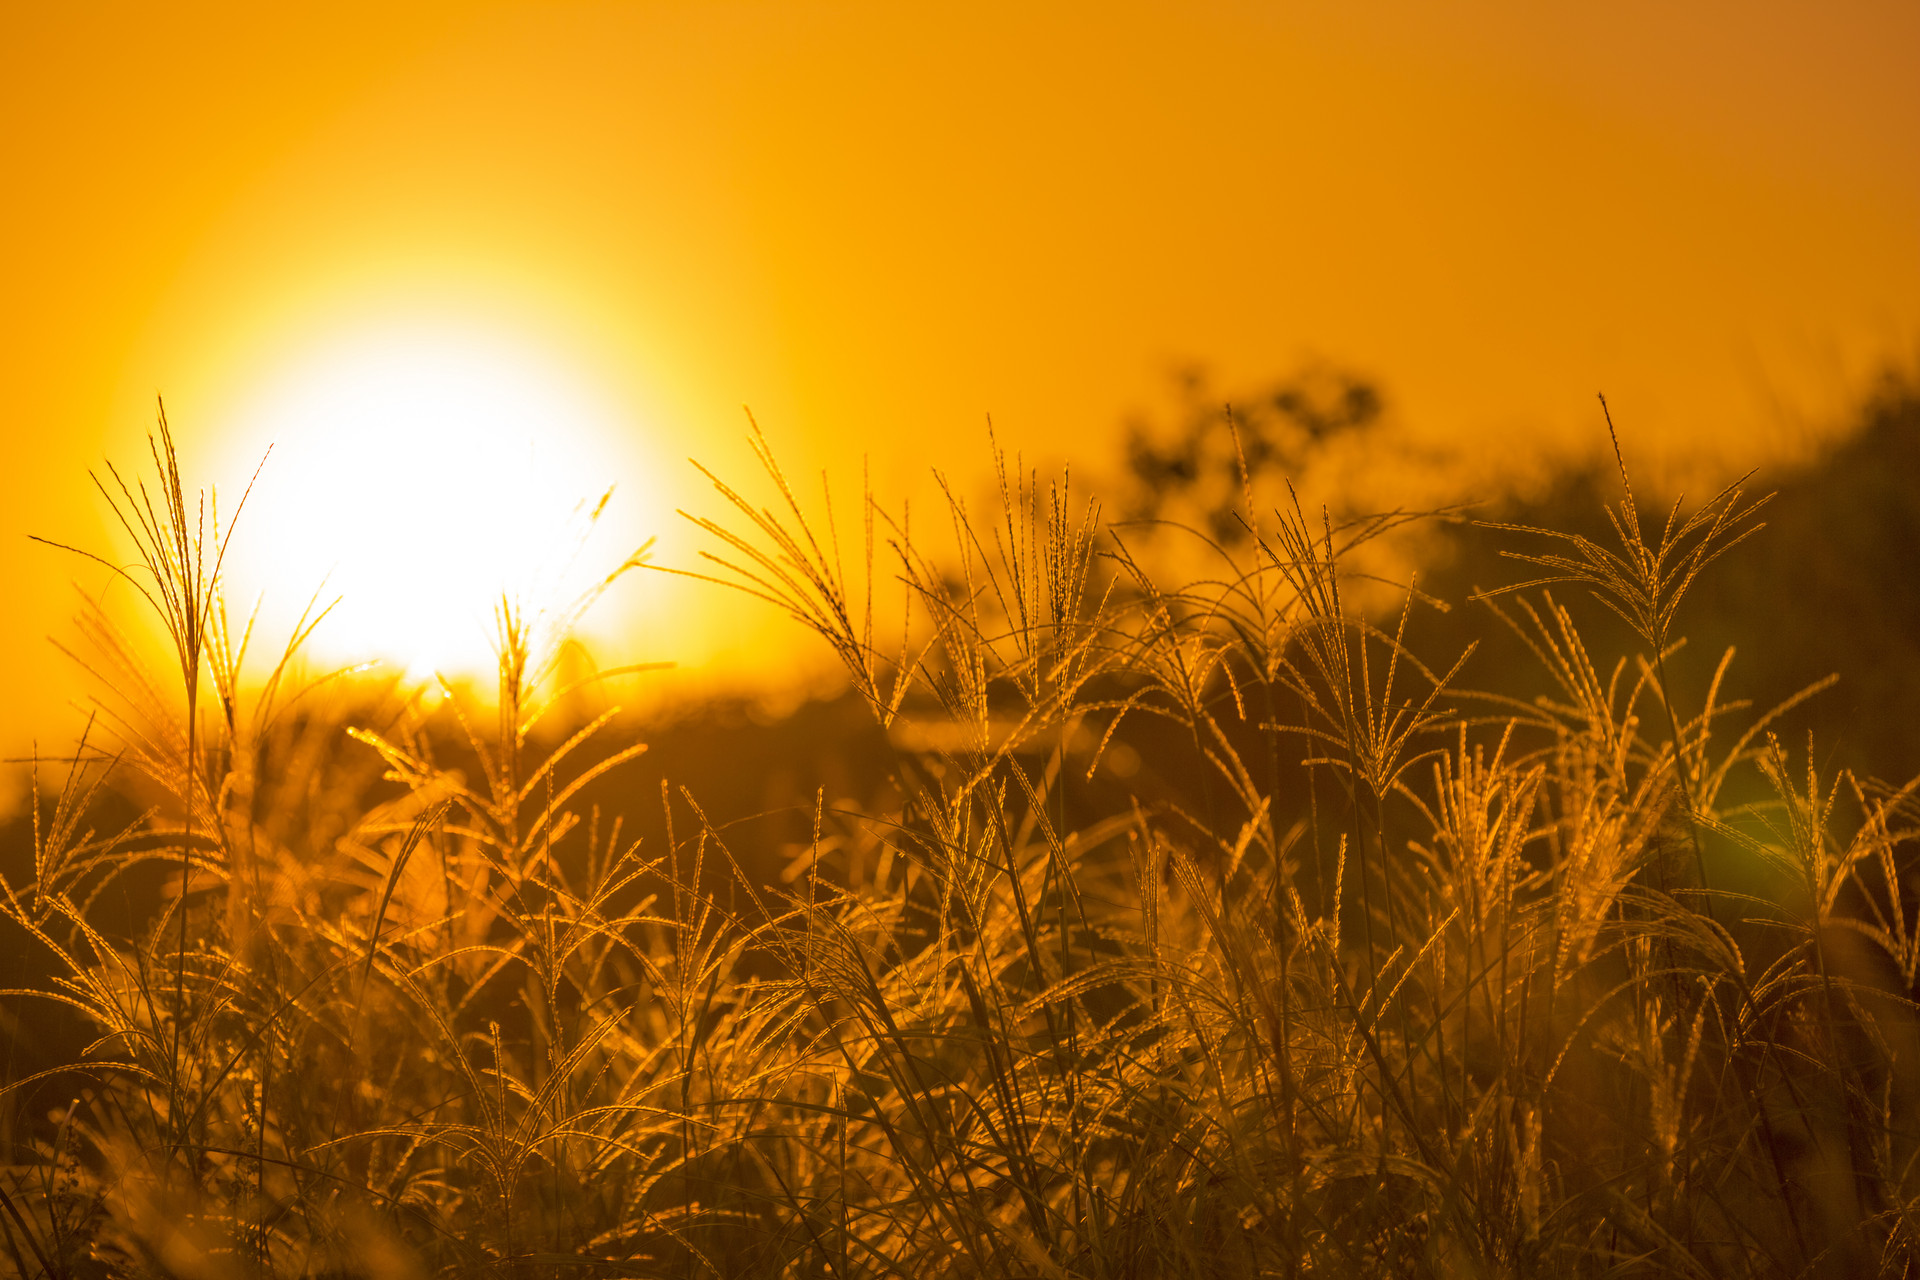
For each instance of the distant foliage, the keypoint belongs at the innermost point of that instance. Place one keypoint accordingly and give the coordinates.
(1201, 467)
(1208, 929)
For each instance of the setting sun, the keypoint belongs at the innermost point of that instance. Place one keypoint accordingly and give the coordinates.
(418, 470)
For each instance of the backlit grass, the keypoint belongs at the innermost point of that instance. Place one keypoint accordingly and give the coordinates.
(1211, 928)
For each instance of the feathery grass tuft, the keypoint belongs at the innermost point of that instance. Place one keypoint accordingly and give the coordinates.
(1203, 934)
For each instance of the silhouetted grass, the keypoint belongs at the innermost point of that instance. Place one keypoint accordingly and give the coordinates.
(1201, 928)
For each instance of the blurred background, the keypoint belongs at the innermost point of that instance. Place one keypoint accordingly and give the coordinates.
(465, 265)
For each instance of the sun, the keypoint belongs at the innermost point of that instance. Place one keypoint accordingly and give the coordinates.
(417, 472)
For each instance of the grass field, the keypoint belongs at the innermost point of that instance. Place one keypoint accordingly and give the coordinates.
(1203, 927)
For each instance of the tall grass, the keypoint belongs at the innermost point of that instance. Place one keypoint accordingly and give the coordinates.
(1360, 972)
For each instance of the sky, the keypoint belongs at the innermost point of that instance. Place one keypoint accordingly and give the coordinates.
(385, 238)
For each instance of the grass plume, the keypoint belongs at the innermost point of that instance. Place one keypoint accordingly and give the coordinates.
(1209, 929)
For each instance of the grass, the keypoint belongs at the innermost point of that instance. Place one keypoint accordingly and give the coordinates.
(1355, 971)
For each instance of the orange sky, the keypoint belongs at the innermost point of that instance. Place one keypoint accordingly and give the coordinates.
(877, 223)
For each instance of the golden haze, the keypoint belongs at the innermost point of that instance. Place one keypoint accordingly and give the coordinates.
(875, 226)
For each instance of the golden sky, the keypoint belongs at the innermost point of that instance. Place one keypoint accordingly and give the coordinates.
(875, 224)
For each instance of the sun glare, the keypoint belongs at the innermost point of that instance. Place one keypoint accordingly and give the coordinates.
(417, 473)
